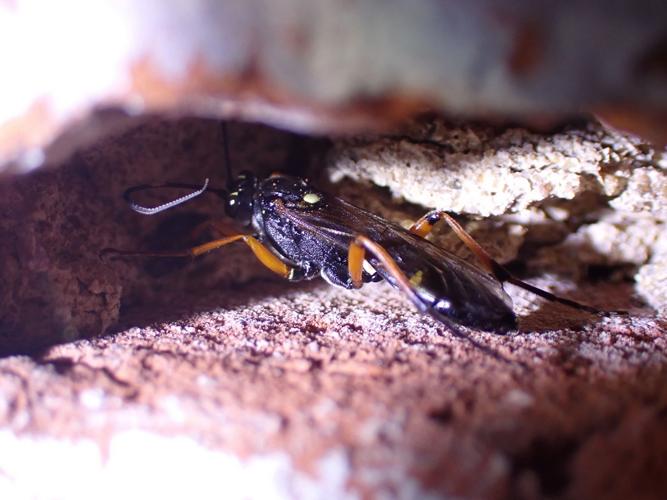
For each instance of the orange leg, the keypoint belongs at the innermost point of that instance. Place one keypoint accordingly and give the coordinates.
(265, 256)
(355, 264)
(425, 225)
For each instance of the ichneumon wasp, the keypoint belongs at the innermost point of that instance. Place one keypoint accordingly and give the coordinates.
(300, 232)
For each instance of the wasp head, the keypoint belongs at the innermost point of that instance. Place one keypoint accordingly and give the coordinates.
(239, 205)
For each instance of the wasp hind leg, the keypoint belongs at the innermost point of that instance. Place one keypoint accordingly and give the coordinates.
(425, 225)
(263, 254)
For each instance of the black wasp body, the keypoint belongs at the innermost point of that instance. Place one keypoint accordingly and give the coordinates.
(311, 232)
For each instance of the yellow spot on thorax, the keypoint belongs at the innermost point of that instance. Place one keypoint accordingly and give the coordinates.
(311, 198)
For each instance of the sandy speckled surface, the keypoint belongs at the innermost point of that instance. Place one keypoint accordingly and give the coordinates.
(404, 407)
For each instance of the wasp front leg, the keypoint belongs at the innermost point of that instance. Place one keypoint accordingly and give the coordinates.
(263, 254)
(217, 228)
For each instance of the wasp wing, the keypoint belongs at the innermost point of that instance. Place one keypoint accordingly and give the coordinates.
(445, 284)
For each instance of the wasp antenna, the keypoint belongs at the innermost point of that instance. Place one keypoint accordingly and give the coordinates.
(228, 162)
(165, 206)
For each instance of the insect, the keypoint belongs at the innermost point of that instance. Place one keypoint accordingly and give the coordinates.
(301, 232)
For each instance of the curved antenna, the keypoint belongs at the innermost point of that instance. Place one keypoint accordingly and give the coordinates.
(165, 206)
